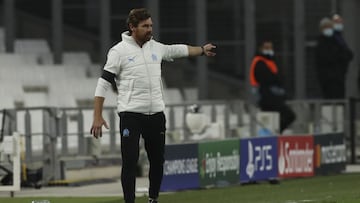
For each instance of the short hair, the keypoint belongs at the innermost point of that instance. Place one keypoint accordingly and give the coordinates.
(325, 21)
(136, 16)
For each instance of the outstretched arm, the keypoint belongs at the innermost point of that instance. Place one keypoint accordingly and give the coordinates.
(207, 50)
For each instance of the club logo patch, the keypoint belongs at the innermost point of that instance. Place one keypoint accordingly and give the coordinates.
(126, 133)
(154, 57)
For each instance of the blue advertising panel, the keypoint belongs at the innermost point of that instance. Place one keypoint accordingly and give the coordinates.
(258, 159)
(180, 167)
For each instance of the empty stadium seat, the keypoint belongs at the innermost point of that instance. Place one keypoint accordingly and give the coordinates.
(10, 60)
(2, 40)
(76, 58)
(172, 95)
(29, 46)
(10, 94)
(191, 94)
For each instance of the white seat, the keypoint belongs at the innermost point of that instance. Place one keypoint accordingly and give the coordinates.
(2, 40)
(34, 48)
(332, 121)
(10, 92)
(76, 58)
(172, 96)
(191, 94)
(9, 60)
(27, 46)
(94, 70)
(83, 88)
(35, 99)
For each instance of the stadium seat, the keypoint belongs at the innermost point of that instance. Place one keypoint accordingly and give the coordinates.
(10, 60)
(173, 96)
(76, 58)
(191, 94)
(28, 46)
(10, 93)
(2, 40)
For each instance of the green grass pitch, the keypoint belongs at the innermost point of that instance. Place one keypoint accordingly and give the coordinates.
(325, 189)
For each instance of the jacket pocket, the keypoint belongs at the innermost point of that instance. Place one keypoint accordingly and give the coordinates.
(130, 90)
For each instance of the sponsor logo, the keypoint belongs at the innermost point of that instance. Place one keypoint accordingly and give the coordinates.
(259, 159)
(331, 154)
(212, 164)
(181, 166)
(295, 160)
(131, 59)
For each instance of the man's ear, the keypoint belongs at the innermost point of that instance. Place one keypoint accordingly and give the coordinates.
(132, 27)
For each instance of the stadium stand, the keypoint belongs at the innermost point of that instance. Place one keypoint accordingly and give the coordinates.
(27, 46)
(191, 94)
(172, 95)
(35, 81)
(2, 40)
(76, 58)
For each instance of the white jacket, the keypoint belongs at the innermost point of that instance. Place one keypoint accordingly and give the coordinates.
(138, 71)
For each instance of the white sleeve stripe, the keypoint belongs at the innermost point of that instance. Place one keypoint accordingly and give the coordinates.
(102, 87)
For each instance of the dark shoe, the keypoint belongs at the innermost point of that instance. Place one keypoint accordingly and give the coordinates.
(152, 201)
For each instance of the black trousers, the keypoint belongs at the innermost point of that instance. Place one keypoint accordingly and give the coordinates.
(152, 129)
(287, 115)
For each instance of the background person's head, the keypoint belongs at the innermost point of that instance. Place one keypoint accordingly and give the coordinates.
(338, 22)
(326, 27)
(266, 48)
(140, 24)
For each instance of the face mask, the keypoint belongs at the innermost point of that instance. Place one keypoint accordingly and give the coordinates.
(338, 26)
(328, 32)
(268, 52)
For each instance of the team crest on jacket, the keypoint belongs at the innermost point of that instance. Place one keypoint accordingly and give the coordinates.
(154, 57)
(126, 133)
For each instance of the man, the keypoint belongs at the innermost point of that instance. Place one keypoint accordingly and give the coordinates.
(338, 23)
(332, 59)
(267, 85)
(133, 69)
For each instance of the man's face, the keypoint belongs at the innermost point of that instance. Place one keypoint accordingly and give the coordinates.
(143, 32)
(337, 19)
(267, 46)
(327, 26)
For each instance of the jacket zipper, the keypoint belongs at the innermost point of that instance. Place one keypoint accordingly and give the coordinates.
(149, 78)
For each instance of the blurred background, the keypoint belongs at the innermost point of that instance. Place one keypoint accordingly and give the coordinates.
(52, 53)
(91, 27)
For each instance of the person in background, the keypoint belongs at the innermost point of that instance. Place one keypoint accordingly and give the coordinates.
(267, 84)
(133, 70)
(332, 58)
(338, 34)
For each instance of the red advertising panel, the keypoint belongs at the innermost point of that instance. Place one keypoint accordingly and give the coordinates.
(296, 156)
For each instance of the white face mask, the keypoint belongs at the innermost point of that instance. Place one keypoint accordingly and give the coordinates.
(338, 27)
(268, 52)
(328, 32)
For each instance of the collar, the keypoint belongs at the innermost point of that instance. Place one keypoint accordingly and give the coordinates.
(266, 56)
(129, 39)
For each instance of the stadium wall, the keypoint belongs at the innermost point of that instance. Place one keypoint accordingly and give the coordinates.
(234, 161)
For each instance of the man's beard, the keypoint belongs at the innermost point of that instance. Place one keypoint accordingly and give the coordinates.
(145, 37)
